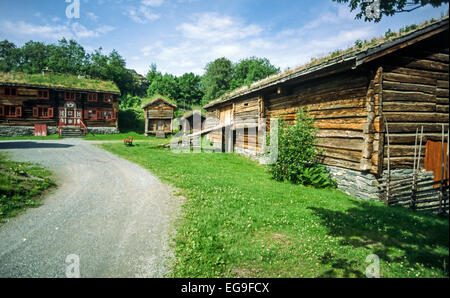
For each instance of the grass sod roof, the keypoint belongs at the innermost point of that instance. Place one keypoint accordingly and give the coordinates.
(58, 81)
(150, 100)
(353, 56)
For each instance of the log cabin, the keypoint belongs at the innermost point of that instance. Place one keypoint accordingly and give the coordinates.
(400, 83)
(158, 114)
(192, 122)
(56, 103)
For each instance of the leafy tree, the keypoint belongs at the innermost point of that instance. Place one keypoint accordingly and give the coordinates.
(67, 57)
(166, 85)
(140, 84)
(190, 93)
(34, 57)
(9, 56)
(217, 79)
(251, 70)
(375, 9)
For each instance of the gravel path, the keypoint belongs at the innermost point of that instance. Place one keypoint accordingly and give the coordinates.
(113, 214)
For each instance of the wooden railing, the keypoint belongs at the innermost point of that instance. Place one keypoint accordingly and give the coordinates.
(80, 125)
(84, 127)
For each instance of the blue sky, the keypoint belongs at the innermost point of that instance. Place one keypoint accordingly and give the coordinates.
(183, 35)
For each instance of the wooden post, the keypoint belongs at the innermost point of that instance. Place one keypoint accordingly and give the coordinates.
(441, 188)
(413, 186)
(388, 178)
(416, 173)
(146, 122)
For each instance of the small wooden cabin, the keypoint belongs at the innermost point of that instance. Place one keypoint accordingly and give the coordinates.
(401, 84)
(47, 102)
(192, 122)
(159, 115)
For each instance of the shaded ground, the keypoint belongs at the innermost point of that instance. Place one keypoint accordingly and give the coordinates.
(113, 214)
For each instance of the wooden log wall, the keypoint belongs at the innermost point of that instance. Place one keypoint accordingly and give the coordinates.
(339, 106)
(27, 98)
(415, 93)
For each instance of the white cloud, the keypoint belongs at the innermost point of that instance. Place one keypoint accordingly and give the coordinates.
(54, 32)
(141, 14)
(92, 16)
(209, 36)
(214, 27)
(153, 3)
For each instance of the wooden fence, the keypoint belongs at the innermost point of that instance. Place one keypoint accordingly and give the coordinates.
(423, 190)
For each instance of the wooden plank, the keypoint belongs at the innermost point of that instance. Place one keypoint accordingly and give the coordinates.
(416, 117)
(421, 73)
(442, 108)
(407, 78)
(411, 127)
(402, 106)
(341, 143)
(389, 95)
(335, 133)
(349, 155)
(401, 86)
(442, 84)
(331, 161)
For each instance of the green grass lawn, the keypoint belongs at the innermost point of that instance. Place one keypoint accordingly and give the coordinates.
(21, 183)
(49, 137)
(238, 222)
(117, 137)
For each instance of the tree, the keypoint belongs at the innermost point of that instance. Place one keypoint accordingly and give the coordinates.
(166, 85)
(67, 57)
(34, 57)
(190, 93)
(251, 70)
(373, 10)
(217, 78)
(9, 56)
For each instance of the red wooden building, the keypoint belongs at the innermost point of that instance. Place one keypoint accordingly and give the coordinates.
(55, 103)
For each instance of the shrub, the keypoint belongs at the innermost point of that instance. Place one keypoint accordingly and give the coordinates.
(297, 156)
(132, 119)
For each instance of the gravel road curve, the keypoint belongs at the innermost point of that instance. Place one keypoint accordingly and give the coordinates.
(114, 215)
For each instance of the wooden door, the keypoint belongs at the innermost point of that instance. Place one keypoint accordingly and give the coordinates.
(226, 115)
(160, 126)
(433, 158)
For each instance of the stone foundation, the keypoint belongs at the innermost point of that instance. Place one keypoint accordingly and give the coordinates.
(102, 130)
(19, 131)
(357, 184)
(16, 131)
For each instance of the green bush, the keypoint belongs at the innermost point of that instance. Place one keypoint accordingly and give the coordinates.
(297, 156)
(132, 119)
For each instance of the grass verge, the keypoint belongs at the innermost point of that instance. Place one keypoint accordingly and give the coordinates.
(238, 222)
(49, 137)
(21, 183)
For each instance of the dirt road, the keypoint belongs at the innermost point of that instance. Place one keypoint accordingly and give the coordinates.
(111, 214)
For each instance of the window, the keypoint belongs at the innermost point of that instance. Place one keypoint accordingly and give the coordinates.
(106, 115)
(11, 91)
(69, 95)
(92, 97)
(43, 94)
(107, 98)
(90, 114)
(42, 112)
(11, 111)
